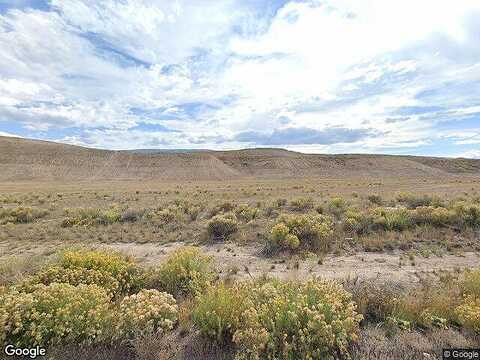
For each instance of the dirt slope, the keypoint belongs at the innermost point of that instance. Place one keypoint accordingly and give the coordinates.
(23, 160)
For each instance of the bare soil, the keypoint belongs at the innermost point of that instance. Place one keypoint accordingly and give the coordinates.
(26, 160)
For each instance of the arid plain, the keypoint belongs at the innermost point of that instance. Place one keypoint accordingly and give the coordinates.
(398, 225)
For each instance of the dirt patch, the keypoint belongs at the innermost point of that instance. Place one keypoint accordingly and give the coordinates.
(247, 261)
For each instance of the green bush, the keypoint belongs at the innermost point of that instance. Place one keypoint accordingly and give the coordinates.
(280, 202)
(401, 218)
(312, 231)
(246, 213)
(55, 314)
(302, 204)
(220, 227)
(145, 313)
(429, 305)
(277, 320)
(90, 217)
(186, 272)
(375, 199)
(167, 216)
(130, 216)
(21, 215)
(413, 201)
(398, 219)
(217, 312)
(452, 300)
(337, 206)
(357, 222)
(193, 212)
(469, 214)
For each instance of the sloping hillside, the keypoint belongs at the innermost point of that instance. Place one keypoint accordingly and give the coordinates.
(22, 160)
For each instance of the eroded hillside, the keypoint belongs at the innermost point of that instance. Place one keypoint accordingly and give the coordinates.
(23, 160)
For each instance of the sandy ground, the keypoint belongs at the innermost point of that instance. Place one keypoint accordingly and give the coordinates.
(247, 261)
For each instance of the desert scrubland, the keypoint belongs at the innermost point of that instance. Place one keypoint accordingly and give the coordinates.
(254, 254)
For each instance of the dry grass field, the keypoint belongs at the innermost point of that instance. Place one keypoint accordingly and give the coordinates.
(400, 233)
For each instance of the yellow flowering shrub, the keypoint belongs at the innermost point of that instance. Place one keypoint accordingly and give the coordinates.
(123, 268)
(470, 284)
(246, 213)
(187, 271)
(72, 276)
(21, 215)
(147, 312)
(311, 230)
(220, 227)
(281, 237)
(90, 216)
(436, 216)
(53, 314)
(401, 218)
(469, 313)
(398, 219)
(280, 320)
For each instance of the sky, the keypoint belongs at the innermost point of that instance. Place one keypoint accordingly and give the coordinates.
(316, 76)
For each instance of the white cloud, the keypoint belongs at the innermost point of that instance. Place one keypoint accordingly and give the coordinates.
(163, 31)
(2, 133)
(106, 66)
(465, 137)
(472, 154)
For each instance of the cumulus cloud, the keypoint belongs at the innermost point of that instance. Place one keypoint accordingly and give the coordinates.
(314, 75)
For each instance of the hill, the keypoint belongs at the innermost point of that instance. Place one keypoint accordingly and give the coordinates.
(23, 160)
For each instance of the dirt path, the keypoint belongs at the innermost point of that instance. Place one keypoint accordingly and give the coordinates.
(246, 261)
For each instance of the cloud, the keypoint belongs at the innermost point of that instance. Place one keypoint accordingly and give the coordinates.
(157, 32)
(466, 137)
(2, 133)
(320, 75)
(471, 154)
